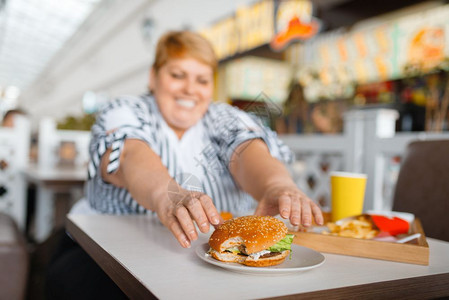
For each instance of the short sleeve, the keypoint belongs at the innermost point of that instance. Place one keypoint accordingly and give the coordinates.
(121, 119)
(231, 127)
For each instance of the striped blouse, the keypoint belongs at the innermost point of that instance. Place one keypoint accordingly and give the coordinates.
(198, 161)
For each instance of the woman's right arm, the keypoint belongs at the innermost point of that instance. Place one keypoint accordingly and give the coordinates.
(143, 175)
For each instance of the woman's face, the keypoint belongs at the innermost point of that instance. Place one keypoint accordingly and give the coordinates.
(183, 90)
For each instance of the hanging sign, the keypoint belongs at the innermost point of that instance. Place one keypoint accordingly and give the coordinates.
(250, 27)
(274, 22)
(293, 20)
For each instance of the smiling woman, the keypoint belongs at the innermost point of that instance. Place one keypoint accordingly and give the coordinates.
(177, 154)
(182, 79)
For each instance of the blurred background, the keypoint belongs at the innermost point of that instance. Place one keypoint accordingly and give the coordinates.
(62, 59)
(347, 84)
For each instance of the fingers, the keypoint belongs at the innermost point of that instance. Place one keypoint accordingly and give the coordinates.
(176, 229)
(181, 215)
(210, 210)
(306, 211)
(285, 205)
(290, 207)
(317, 213)
(298, 208)
(197, 211)
(186, 223)
(181, 226)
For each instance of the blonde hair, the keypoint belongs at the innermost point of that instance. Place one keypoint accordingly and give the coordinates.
(184, 44)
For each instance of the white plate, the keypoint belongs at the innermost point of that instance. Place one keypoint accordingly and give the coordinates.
(302, 259)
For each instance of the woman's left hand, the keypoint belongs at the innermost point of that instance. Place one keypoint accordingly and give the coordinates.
(290, 203)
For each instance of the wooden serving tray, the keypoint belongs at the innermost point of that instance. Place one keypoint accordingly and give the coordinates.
(417, 253)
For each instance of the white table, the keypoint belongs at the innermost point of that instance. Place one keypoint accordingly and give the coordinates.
(49, 181)
(145, 261)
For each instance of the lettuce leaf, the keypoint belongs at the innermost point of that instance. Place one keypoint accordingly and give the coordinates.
(233, 250)
(284, 244)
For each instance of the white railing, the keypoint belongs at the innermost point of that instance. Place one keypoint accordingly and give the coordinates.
(52, 141)
(14, 156)
(368, 144)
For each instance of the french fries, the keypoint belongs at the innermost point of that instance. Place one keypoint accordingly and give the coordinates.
(361, 228)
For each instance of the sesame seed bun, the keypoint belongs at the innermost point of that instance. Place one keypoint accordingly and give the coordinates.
(251, 234)
(254, 232)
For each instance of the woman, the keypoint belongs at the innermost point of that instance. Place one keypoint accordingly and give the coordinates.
(176, 154)
(141, 143)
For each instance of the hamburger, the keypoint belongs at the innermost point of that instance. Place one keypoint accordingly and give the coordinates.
(252, 241)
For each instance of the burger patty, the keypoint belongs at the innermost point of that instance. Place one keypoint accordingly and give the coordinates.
(271, 254)
(266, 255)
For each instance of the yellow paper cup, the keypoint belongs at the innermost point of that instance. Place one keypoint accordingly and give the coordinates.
(347, 194)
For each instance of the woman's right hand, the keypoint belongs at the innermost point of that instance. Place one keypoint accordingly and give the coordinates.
(142, 173)
(181, 209)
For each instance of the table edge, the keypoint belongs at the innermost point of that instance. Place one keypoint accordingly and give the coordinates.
(429, 286)
(133, 288)
(422, 287)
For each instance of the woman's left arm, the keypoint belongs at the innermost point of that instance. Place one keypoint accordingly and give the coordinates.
(268, 181)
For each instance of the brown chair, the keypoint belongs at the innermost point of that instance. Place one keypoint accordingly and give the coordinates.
(422, 187)
(13, 260)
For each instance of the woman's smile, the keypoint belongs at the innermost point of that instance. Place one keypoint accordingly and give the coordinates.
(186, 103)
